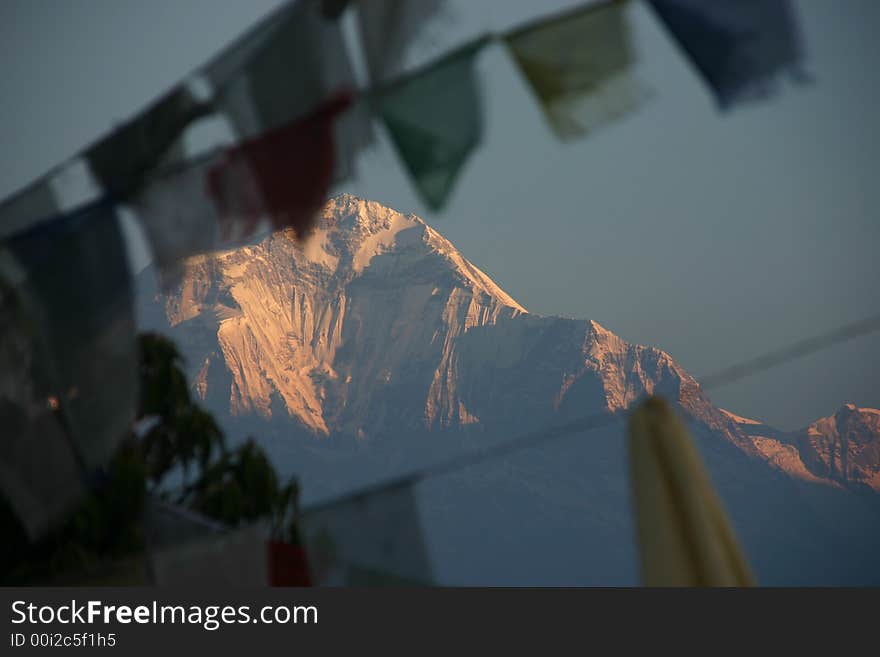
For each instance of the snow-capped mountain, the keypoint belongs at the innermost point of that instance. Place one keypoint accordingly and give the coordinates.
(376, 346)
(378, 323)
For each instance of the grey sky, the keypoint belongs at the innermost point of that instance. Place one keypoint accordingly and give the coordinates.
(714, 237)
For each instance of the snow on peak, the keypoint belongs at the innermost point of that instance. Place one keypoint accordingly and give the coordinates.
(352, 231)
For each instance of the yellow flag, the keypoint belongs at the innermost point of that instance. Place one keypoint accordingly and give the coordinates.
(579, 67)
(684, 536)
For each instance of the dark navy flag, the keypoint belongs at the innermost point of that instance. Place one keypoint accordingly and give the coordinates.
(40, 477)
(72, 286)
(740, 47)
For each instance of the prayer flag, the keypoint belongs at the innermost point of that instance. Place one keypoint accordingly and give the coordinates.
(387, 27)
(370, 539)
(236, 558)
(286, 71)
(66, 188)
(434, 118)
(684, 536)
(292, 168)
(282, 176)
(76, 291)
(22, 210)
(740, 48)
(180, 218)
(40, 476)
(579, 66)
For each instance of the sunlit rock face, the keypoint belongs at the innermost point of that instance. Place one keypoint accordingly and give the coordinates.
(841, 450)
(844, 447)
(355, 328)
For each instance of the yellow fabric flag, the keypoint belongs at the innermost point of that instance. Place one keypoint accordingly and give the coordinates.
(579, 67)
(684, 536)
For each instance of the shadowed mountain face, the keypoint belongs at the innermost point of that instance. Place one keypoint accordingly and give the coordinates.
(376, 347)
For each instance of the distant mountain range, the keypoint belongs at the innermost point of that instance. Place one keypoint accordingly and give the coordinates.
(840, 450)
(376, 347)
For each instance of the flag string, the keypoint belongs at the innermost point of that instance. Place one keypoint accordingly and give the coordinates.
(366, 93)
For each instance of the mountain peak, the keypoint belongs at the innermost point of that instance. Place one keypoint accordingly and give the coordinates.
(349, 212)
(351, 232)
(316, 330)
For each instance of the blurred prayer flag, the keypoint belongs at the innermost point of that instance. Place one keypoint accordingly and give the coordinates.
(740, 48)
(579, 66)
(435, 120)
(684, 536)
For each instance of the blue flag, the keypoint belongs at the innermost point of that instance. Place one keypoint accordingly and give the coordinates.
(740, 47)
(74, 285)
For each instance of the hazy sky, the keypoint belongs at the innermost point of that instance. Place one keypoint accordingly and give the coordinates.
(714, 237)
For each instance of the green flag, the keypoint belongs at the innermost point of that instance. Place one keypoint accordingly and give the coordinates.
(435, 119)
(578, 66)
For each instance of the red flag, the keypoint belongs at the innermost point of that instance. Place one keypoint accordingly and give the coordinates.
(288, 565)
(284, 173)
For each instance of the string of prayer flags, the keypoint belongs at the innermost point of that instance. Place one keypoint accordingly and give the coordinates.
(40, 477)
(372, 539)
(122, 160)
(387, 27)
(435, 120)
(579, 66)
(684, 536)
(76, 287)
(740, 48)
